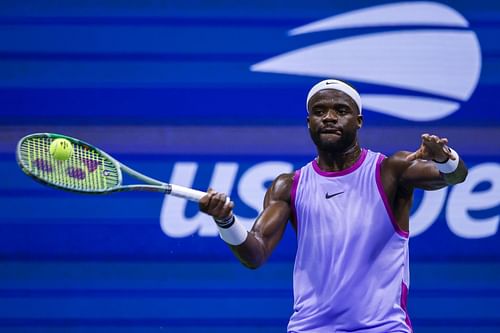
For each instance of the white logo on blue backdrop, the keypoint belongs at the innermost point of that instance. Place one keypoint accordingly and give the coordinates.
(437, 69)
(443, 63)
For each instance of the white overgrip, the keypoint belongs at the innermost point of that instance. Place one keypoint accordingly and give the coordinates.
(186, 193)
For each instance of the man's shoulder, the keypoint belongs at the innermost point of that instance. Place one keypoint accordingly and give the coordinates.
(396, 162)
(281, 188)
(285, 179)
(399, 156)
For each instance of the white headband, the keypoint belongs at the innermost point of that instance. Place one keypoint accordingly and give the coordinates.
(335, 85)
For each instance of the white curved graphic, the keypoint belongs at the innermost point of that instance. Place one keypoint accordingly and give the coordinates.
(428, 211)
(445, 63)
(441, 62)
(403, 13)
(413, 108)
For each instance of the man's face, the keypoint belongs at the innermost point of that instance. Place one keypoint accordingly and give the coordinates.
(333, 120)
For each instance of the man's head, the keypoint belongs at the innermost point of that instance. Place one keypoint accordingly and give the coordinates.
(334, 115)
(331, 84)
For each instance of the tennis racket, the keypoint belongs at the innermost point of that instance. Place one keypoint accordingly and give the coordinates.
(87, 170)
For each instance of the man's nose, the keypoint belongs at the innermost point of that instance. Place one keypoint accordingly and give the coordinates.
(330, 115)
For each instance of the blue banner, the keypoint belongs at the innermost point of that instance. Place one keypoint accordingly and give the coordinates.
(212, 94)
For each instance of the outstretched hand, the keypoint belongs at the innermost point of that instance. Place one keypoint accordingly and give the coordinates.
(432, 148)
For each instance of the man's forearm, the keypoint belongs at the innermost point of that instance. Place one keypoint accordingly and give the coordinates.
(251, 253)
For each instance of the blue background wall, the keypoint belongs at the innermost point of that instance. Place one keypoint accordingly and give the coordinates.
(167, 88)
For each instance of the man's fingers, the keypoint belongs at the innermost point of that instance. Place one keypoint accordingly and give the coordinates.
(204, 202)
(221, 206)
(228, 209)
(412, 156)
(434, 138)
(433, 147)
(216, 204)
(220, 201)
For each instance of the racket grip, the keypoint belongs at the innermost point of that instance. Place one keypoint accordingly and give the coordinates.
(186, 193)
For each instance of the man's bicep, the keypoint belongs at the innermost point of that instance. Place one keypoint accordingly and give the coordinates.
(271, 223)
(273, 219)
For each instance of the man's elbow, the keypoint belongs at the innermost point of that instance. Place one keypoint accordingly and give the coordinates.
(251, 265)
(463, 176)
(457, 177)
(251, 262)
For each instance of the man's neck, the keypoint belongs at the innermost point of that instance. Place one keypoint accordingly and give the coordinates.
(336, 161)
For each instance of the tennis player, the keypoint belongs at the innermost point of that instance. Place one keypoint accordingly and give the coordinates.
(350, 209)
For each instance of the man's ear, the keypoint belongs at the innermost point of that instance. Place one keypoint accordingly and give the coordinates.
(307, 120)
(360, 121)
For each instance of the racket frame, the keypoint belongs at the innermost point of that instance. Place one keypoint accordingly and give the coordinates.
(151, 184)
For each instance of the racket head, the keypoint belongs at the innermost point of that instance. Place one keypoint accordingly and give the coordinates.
(87, 170)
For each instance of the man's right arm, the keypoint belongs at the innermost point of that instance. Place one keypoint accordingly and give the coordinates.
(269, 227)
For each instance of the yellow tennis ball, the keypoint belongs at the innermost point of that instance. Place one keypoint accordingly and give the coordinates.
(61, 149)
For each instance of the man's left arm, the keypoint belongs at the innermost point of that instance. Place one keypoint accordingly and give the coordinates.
(433, 166)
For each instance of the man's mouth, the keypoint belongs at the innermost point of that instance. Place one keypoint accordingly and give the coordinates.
(335, 131)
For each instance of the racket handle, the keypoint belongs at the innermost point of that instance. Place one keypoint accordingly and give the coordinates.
(186, 193)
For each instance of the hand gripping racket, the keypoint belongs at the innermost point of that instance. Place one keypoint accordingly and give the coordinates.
(88, 169)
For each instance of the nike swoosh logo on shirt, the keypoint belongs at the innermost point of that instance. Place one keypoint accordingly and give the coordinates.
(328, 196)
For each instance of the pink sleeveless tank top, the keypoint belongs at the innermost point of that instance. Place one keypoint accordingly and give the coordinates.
(351, 269)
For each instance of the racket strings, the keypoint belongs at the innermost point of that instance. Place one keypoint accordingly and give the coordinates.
(86, 169)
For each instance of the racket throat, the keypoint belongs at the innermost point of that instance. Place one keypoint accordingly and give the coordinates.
(167, 188)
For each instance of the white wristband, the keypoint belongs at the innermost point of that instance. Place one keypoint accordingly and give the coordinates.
(450, 165)
(236, 234)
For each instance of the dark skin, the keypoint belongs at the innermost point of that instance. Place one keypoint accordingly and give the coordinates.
(333, 123)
